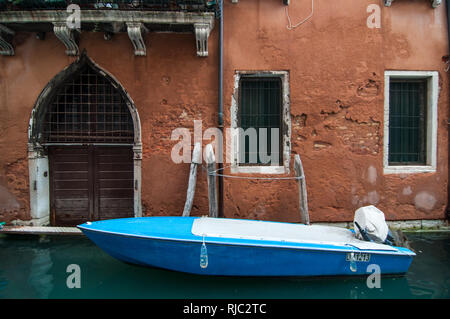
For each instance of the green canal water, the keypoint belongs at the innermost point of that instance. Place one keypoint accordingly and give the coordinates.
(36, 267)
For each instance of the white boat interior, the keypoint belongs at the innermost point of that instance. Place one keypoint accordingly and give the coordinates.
(281, 232)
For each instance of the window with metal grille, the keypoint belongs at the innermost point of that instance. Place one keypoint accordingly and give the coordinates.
(88, 109)
(260, 109)
(407, 122)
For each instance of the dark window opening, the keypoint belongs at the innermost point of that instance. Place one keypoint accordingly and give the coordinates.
(407, 122)
(260, 105)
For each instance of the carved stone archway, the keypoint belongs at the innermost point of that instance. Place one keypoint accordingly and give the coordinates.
(39, 138)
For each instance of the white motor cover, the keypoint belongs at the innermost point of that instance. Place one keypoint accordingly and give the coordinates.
(372, 220)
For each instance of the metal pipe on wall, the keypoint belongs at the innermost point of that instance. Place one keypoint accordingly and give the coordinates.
(447, 4)
(220, 110)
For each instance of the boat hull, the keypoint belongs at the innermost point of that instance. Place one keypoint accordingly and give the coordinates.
(227, 257)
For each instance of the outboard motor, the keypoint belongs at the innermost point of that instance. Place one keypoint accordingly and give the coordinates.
(370, 225)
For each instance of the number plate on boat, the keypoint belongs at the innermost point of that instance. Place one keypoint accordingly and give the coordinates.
(358, 257)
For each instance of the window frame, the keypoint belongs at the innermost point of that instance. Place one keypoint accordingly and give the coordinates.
(280, 141)
(422, 127)
(432, 95)
(285, 125)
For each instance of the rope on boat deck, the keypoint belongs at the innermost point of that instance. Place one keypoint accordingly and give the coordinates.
(214, 173)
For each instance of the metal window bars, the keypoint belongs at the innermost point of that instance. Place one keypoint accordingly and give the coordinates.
(88, 109)
(407, 122)
(260, 108)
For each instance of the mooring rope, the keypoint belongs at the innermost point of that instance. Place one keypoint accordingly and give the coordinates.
(214, 173)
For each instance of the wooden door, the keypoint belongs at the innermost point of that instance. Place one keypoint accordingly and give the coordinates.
(90, 183)
(114, 189)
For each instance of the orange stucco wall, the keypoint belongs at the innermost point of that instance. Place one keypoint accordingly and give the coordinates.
(336, 66)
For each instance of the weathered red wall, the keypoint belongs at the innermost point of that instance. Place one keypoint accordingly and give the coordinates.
(336, 65)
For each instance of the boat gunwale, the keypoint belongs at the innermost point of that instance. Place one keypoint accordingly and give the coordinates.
(261, 243)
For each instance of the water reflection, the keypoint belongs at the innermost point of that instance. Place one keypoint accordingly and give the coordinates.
(35, 267)
(429, 273)
(3, 282)
(40, 277)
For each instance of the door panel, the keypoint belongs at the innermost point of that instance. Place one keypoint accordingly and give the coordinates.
(115, 182)
(90, 183)
(69, 187)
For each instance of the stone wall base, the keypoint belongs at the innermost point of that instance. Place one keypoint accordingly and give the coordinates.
(405, 225)
(44, 221)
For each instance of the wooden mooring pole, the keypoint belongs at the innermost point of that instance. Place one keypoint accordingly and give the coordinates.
(303, 197)
(195, 162)
(212, 185)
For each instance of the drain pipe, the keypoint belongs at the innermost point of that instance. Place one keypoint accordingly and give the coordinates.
(447, 4)
(220, 110)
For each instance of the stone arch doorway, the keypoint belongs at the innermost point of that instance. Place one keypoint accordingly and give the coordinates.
(84, 149)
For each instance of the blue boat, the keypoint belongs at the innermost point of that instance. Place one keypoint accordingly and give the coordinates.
(238, 247)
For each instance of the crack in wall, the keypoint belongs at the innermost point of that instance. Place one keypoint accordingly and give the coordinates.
(360, 136)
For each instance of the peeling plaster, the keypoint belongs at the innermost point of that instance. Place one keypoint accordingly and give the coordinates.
(407, 191)
(372, 175)
(425, 201)
(373, 197)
